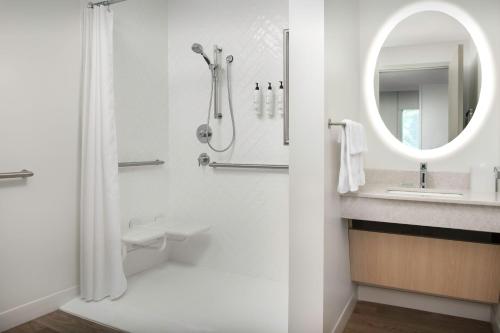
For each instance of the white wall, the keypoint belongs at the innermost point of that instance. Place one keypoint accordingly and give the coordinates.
(307, 165)
(342, 101)
(141, 99)
(388, 106)
(485, 147)
(495, 318)
(246, 209)
(434, 113)
(39, 130)
(321, 292)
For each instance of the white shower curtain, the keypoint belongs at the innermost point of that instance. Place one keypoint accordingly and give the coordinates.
(101, 268)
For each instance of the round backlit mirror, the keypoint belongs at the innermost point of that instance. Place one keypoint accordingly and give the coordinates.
(427, 80)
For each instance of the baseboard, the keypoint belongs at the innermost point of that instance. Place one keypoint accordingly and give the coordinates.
(37, 308)
(496, 327)
(345, 315)
(442, 305)
(495, 318)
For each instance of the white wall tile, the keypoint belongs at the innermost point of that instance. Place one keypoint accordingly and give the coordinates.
(248, 210)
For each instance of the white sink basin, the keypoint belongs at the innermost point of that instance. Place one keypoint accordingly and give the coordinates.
(425, 193)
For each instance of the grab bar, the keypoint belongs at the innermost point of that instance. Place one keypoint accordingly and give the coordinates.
(20, 174)
(140, 163)
(286, 92)
(248, 166)
(497, 177)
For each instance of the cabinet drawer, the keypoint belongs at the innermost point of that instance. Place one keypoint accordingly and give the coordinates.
(463, 270)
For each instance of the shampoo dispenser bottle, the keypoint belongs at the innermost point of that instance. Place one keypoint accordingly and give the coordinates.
(280, 95)
(269, 100)
(257, 99)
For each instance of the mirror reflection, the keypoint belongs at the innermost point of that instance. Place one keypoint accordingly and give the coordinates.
(427, 81)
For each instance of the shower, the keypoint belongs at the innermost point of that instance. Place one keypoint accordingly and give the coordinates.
(197, 48)
(204, 132)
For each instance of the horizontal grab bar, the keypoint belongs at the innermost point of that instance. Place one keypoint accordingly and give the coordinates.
(248, 166)
(20, 174)
(140, 163)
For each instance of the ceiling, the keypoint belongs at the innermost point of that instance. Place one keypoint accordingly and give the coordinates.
(411, 80)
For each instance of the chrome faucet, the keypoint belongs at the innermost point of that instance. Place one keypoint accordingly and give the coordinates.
(423, 175)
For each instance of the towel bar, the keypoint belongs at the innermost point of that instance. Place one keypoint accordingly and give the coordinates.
(332, 123)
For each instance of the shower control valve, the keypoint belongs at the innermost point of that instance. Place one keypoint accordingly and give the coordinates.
(203, 159)
(204, 133)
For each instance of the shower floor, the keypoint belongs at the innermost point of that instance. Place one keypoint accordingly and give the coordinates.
(178, 298)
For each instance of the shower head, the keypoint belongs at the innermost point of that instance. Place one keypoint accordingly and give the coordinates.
(197, 48)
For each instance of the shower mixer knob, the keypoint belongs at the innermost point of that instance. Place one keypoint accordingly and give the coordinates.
(203, 159)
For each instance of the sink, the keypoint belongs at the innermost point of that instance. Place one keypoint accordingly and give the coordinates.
(425, 193)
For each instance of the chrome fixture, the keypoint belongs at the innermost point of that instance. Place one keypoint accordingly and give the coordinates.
(497, 177)
(423, 175)
(197, 48)
(140, 163)
(286, 91)
(204, 132)
(19, 174)
(333, 123)
(215, 76)
(103, 3)
(216, 165)
(203, 159)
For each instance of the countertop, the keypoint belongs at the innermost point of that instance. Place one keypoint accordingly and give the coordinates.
(379, 191)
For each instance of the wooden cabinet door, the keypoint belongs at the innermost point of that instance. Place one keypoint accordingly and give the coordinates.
(463, 270)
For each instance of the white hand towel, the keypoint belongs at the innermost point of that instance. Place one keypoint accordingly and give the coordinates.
(353, 145)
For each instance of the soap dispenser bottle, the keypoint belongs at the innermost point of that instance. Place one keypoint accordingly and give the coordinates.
(280, 95)
(257, 99)
(269, 100)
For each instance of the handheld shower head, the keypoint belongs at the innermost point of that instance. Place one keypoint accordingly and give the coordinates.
(197, 48)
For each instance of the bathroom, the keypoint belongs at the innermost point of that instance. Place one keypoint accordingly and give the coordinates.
(124, 212)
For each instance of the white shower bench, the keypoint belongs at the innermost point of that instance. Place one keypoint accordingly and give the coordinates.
(154, 235)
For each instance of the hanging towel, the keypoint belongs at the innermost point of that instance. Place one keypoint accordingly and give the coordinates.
(352, 146)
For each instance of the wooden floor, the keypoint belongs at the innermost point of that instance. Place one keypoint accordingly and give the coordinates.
(366, 318)
(61, 322)
(377, 318)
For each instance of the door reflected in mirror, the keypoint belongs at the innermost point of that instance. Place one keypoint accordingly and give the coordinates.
(427, 80)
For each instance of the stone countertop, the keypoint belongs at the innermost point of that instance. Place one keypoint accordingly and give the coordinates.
(380, 191)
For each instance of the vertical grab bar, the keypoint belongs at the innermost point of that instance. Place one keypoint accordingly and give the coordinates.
(286, 92)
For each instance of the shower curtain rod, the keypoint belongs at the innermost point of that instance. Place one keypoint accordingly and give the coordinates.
(104, 3)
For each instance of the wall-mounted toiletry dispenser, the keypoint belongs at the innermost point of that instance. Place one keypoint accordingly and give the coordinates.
(269, 100)
(280, 99)
(257, 99)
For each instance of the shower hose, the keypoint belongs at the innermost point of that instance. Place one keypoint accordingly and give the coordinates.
(229, 95)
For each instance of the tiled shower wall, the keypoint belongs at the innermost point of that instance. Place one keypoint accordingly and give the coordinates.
(246, 209)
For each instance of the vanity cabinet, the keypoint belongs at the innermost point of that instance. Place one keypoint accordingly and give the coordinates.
(452, 268)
